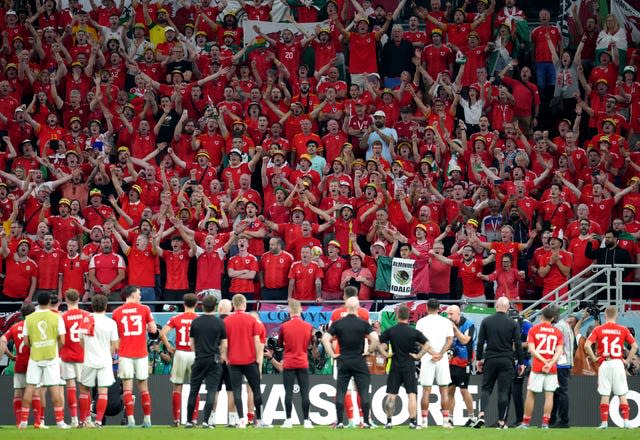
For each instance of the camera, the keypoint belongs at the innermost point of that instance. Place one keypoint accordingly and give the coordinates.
(592, 309)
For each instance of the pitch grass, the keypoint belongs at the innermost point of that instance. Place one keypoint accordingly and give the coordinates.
(318, 433)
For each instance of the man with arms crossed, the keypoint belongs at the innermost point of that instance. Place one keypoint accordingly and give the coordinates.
(295, 336)
(435, 365)
(43, 333)
(183, 355)
(351, 332)
(612, 378)
(403, 339)
(134, 320)
(545, 345)
(100, 342)
(208, 339)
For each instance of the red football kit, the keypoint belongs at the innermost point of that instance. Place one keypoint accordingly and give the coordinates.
(132, 320)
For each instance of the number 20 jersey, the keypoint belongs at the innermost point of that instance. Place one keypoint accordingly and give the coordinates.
(546, 339)
(132, 320)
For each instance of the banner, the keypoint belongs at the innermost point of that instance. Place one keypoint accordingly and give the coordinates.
(628, 15)
(402, 277)
(273, 29)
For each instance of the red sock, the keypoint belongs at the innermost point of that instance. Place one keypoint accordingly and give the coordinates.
(176, 398)
(348, 405)
(36, 404)
(128, 403)
(85, 406)
(250, 417)
(545, 419)
(72, 401)
(604, 412)
(359, 404)
(424, 413)
(17, 408)
(194, 416)
(624, 411)
(445, 413)
(146, 403)
(58, 411)
(101, 407)
(526, 420)
(24, 414)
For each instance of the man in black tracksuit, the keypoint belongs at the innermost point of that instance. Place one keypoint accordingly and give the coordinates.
(501, 334)
(351, 332)
(610, 254)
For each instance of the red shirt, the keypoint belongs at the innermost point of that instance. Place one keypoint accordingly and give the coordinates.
(18, 277)
(73, 270)
(525, 96)
(507, 282)
(106, 268)
(333, 274)
(132, 320)
(555, 278)
(577, 247)
(141, 266)
(295, 336)
(610, 338)
(601, 211)
(546, 339)
(558, 214)
(472, 286)
(363, 53)
(275, 269)
(539, 39)
(305, 276)
(182, 324)
(96, 216)
(502, 248)
(210, 267)
(241, 329)
(248, 262)
(75, 322)
(48, 269)
(22, 352)
(64, 228)
(177, 267)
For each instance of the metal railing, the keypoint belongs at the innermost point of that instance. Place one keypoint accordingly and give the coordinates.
(587, 285)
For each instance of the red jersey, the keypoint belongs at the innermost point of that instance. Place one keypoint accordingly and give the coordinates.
(275, 269)
(295, 336)
(76, 321)
(333, 274)
(15, 335)
(18, 277)
(182, 325)
(48, 269)
(177, 264)
(64, 228)
(210, 267)
(132, 320)
(73, 270)
(106, 268)
(305, 277)
(555, 278)
(539, 39)
(141, 266)
(610, 338)
(472, 286)
(248, 262)
(363, 53)
(546, 339)
(241, 329)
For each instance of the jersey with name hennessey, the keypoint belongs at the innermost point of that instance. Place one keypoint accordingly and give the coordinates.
(182, 325)
(132, 320)
(75, 322)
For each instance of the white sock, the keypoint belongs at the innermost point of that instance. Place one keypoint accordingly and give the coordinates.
(131, 419)
(147, 419)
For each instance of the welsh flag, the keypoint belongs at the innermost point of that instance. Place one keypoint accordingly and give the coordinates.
(402, 277)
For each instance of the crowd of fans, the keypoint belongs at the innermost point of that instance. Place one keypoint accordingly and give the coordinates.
(149, 145)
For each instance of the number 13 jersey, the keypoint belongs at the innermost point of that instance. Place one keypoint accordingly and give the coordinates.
(132, 320)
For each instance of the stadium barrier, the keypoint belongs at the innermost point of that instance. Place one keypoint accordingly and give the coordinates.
(583, 398)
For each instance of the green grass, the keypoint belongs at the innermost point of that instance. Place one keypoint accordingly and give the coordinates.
(319, 433)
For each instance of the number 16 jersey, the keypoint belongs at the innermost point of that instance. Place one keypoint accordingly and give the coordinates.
(132, 320)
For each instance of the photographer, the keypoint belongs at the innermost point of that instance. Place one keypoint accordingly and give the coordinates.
(295, 337)
(272, 363)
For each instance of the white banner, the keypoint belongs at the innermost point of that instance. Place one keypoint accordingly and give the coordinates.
(401, 276)
(273, 29)
(628, 15)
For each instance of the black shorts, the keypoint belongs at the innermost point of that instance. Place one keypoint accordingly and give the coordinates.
(405, 376)
(459, 376)
(225, 379)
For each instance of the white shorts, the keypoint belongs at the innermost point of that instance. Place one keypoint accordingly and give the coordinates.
(44, 373)
(70, 370)
(19, 381)
(612, 378)
(539, 382)
(181, 368)
(101, 377)
(435, 373)
(130, 368)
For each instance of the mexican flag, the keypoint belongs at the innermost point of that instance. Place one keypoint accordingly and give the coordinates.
(402, 277)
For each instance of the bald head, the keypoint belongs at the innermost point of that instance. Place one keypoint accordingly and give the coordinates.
(224, 307)
(453, 312)
(502, 305)
(352, 305)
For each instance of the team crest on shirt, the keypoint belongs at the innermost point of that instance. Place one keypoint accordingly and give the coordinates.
(27, 267)
(77, 264)
(310, 270)
(473, 269)
(601, 206)
(281, 260)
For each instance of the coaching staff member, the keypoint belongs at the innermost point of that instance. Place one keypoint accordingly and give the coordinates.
(244, 357)
(209, 342)
(403, 339)
(351, 332)
(500, 334)
(295, 336)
